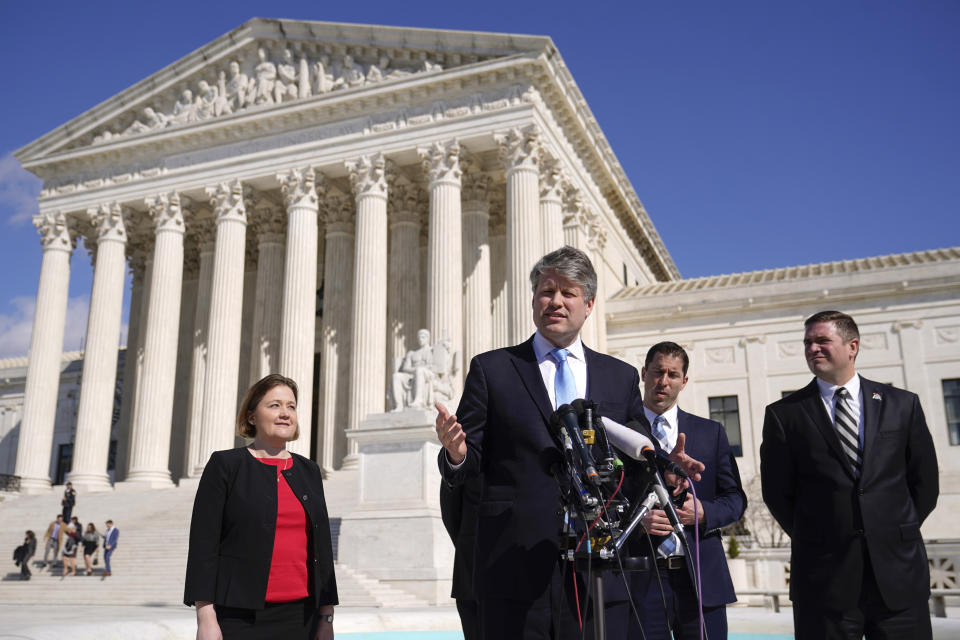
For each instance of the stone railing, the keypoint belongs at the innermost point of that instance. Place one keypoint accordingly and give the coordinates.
(762, 573)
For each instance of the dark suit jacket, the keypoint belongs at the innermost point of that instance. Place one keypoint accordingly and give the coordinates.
(458, 510)
(505, 411)
(721, 494)
(829, 514)
(233, 527)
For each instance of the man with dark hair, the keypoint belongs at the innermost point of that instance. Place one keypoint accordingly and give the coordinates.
(849, 471)
(68, 502)
(523, 589)
(720, 501)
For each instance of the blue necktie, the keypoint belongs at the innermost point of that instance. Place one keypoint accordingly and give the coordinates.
(669, 545)
(564, 384)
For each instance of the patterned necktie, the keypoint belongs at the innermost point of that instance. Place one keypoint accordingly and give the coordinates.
(669, 545)
(564, 385)
(846, 417)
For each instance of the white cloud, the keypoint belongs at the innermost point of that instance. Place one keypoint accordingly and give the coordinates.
(19, 190)
(16, 327)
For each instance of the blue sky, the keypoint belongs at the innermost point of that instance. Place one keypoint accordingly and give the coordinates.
(757, 133)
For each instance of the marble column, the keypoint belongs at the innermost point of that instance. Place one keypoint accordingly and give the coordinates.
(339, 218)
(368, 326)
(204, 230)
(441, 164)
(98, 386)
(520, 152)
(218, 414)
(404, 293)
(268, 224)
(577, 222)
(297, 332)
(150, 440)
(140, 259)
(596, 244)
(500, 327)
(551, 204)
(477, 325)
(46, 349)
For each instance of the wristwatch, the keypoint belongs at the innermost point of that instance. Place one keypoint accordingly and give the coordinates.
(327, 617)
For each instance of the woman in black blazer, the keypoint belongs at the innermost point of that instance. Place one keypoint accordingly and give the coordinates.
(242, 583)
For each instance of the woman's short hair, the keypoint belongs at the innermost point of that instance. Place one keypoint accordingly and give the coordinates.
(572, 264)
(254, 395)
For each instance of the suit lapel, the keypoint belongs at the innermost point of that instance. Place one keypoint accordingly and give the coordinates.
(525, 362)
(812, 405)
(872, 412)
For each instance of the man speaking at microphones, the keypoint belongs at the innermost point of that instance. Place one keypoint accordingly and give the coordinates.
(500, 432)
(719, 501)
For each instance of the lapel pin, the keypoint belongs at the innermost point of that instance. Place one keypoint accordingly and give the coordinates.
(876, 396)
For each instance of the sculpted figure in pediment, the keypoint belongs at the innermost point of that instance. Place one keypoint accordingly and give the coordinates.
(237, 90)
(351, 75)
(323, 78)
(287, 86)
(185, 110)
(380, 71)
(266, 73)
(151, 121)
(210, 103)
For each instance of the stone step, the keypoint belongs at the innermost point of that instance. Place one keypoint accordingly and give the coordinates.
(150, 561)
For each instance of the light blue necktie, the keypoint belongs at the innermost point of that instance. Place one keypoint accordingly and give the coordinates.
(564, 384)
(669, 545)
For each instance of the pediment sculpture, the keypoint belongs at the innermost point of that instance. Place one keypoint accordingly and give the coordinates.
(264, 80)
(425, 375)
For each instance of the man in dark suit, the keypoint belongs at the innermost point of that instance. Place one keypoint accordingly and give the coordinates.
(720, 501)
(849, 471)
(522, 588)
(458, 509)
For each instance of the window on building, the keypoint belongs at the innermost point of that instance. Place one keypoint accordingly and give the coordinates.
(726, 411)
(64, 460)
(951, 398)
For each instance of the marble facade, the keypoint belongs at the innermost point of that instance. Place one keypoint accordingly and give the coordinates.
(303, 198)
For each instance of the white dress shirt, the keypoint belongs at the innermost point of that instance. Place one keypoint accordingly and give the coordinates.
(670, 426)
(548, 366)
(853, 388)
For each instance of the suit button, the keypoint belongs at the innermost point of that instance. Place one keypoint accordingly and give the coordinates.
(304, 498)
(860, 492)
(859, 533)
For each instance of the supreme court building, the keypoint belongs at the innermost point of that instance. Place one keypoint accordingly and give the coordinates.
(304, 197)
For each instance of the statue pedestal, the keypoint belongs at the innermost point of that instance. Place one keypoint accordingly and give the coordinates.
(395, 533)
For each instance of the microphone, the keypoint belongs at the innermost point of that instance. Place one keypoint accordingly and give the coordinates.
(565, 417)
(638, 446)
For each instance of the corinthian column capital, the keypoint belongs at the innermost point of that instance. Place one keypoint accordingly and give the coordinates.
(166, 211)
(369, 175)
(228, 200)
(108, 221)
(441, 161)
(552, 180)
(299, 187)
(55, 232)
(269, 221)
(519, 148)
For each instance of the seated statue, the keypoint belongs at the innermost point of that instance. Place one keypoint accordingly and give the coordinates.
(425, 375)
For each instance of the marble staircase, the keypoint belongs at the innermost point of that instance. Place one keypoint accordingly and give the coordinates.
(150, 562)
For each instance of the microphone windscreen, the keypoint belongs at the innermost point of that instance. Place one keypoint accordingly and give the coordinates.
(626, 439)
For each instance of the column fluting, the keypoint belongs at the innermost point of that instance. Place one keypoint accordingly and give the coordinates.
(339, 218)
(520, 152)
(477, 324)
(368, 327)
(404, 294)
(551, 204)
(218, 413)
(150, 439)
(498, 272)
(98, 385)
(205, 231)
(269, 221)
(46, 348)
(298, 321)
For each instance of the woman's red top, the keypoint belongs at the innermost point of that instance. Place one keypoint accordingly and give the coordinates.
(288, 567)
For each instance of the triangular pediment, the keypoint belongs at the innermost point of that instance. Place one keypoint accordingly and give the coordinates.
(269, 63)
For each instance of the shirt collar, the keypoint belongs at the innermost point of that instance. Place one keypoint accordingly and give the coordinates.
(670, 414)
(827, 390)
(542, 348)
